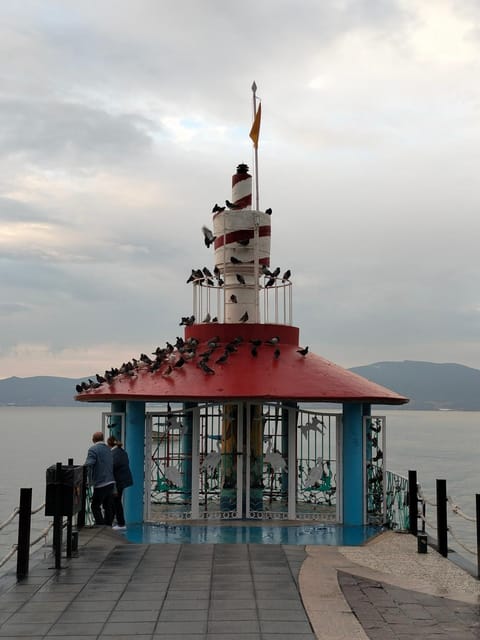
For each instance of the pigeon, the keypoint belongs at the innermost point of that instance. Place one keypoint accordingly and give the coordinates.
(207, 318)
(222, 359)
(79, 388)
(204, 366)
(233, 298)
(217, 209)
(240, 278)
(244, 242)
(268, 211)
(208, 236)
(207, 272)
(256, 343)
(215, 319)
(197, 274)
(276, 273)
(270, 283)
(254, 352)
(303, 352)
(180, 362)
(100, 378)
(234, 260)
(244, 318)
(216, 272)
(286, 275)
(276, 354)
(273, 341)
(232, 205)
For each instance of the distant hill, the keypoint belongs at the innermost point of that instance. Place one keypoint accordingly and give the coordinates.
(429, 386)
(39, 391)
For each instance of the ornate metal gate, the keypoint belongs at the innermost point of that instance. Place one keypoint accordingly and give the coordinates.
(242, 460)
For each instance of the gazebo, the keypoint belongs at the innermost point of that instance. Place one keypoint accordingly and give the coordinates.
(236, 419)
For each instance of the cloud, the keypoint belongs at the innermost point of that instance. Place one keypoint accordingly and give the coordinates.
(121, 127)
(55, 134)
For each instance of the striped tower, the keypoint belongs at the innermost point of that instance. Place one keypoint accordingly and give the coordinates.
(242, 246)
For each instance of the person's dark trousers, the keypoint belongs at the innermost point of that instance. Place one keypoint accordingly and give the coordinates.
(118, 506)
(103, 497)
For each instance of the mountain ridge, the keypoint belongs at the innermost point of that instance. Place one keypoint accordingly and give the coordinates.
(429, 385)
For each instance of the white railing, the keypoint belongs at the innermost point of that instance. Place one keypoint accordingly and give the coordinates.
(275, 304)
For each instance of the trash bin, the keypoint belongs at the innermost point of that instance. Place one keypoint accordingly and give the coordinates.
(71, 485)
(422, 543)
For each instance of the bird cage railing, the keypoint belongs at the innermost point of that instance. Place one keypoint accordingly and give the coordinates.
(273, 296)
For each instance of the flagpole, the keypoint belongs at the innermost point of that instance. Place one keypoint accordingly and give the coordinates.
(254, 90)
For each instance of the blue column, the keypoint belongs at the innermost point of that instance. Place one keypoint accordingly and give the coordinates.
(134, 445)
(118, 406)
(353, 484)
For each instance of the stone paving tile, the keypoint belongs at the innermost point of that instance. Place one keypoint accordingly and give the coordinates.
(233, 626)
(137, 605)
(186, 606)
(232, 614)
(24, 628)
(289, 636)
(181, 636)
(234, 636)
(275, 626)
(175, 615)
(128, 628)
(73, 616)
(392, 612)
(184, 626)
(282, 615)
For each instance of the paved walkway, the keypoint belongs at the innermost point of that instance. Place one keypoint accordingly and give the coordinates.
(240, 592)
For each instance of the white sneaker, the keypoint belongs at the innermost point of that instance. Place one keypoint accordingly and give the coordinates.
(117, 527)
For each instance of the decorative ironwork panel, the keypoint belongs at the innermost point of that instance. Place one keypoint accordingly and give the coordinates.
(217, 450)
(316, 465)
(113, 424)
(397, 516)
(374, 428)
(268, 461)
(171, 457)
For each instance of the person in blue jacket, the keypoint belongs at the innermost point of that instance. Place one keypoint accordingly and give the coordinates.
(123, 479)
(100, 473)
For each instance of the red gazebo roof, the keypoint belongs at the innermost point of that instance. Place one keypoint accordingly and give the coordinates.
(244, 375)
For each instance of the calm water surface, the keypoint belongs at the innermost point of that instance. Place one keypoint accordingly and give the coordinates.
(438, 444)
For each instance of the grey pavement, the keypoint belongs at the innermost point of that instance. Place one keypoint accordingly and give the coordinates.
(159, 592)
(114, 589)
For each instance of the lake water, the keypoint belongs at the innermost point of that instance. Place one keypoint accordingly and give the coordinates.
(438, 444)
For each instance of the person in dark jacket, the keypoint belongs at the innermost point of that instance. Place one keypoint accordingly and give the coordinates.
(100, 471)
(123, 479)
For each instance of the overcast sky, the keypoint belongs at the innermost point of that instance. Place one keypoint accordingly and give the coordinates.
(121, 123)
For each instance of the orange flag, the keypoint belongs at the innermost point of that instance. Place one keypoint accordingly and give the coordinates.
(255, 130)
